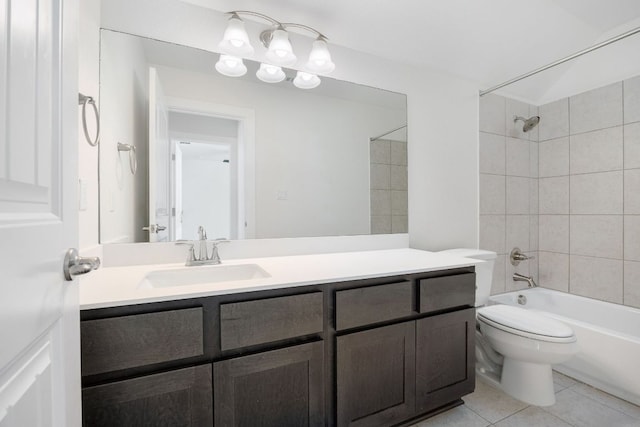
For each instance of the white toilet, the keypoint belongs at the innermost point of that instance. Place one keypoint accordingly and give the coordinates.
(515, 347)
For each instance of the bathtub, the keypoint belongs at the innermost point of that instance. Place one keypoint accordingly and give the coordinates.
(608, 336)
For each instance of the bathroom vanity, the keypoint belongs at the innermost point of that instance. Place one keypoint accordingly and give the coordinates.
(342, 347)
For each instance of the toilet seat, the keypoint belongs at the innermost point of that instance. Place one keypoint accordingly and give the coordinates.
(525, 323)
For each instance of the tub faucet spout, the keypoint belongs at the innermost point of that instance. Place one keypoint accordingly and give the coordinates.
(517, 277)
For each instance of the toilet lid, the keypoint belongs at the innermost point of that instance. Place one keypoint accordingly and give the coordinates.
(524, 322)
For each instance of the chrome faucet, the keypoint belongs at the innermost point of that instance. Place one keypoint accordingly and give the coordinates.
(517, 277)
(202, 257)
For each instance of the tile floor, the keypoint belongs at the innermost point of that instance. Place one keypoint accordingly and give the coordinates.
(577, 405)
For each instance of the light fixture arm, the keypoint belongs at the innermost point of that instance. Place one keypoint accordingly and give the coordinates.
(278, 24)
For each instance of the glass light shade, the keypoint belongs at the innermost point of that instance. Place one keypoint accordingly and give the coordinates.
(270, 73)
(280, 51)
(306, 81)
(320, 58)
(231, 66)
(235, 41)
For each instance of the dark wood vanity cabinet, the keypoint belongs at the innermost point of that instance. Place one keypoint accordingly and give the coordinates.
(275, 388)
(177, 398)
(374, 352)
(376, 376)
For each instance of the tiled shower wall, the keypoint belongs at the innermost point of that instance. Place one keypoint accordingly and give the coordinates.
(388, 184)
(589, 192)
(508, 188)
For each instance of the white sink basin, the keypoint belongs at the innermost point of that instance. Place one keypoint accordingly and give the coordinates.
(201, 275)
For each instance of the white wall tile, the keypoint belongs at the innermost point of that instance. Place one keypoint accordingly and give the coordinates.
(554, 233)
(517, 201)
(517, 232)
(533, 196)
(554, 271)
(534, 159)
(492, 153)
(632, 237)
(632, 191)
(597, 193)
(598, 278)
(380, 202)
(596, 109)
(632, 283)
(492, 194)
(534, 234)
(554, 157)
(632, 100)
(513, 128)
(380, 224)
(517, 152)
(554, 120)
(380, 151)
(380, 176)
(399, 202)
(554, 195)
(398, 153)
(497, 283)
(492, 233)
(492, 114)
(597, 151)
(596, 235)
(632, 146)
(399, 224)
(398, 177)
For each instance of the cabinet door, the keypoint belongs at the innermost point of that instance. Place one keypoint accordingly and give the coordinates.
(275, 388)
(445, 358)
(376, 376)
(176, 398)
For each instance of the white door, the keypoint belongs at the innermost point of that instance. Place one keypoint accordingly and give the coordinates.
(39, 316)
(159, 163)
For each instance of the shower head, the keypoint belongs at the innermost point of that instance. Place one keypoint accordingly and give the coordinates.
(529, 123)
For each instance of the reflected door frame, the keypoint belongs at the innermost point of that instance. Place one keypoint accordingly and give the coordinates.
(245, 202)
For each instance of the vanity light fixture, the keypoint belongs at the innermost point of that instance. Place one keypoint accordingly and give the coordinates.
(306, 81)
(236, 45)
(270, 73)
(231, 66)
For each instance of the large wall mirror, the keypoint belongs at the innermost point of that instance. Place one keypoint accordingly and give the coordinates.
(183, 146)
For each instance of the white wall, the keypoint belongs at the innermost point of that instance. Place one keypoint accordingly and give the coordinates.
(88, 84)
(442, 116)
(124, 111)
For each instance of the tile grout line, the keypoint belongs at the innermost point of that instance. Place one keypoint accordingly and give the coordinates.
(569, 166)
(623, 198)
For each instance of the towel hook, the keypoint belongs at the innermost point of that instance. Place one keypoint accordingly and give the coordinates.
(133, 161)
(84, 100)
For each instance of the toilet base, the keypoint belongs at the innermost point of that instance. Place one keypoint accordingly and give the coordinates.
(531, 383)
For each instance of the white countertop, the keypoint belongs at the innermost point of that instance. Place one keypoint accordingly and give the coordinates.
(118, 286)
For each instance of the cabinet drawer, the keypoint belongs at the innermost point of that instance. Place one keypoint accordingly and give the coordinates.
(141, 339)
(255, 322)
(362, 306)
(439, 293)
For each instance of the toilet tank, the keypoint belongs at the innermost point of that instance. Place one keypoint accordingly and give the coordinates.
(484, 270)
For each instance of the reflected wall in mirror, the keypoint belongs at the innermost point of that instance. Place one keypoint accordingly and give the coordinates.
(240, 157)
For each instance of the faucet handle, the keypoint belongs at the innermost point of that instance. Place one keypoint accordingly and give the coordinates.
(215, 256)
(192, 253)
(516, 256)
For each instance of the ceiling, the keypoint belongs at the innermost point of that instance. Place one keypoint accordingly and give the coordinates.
(486, 41)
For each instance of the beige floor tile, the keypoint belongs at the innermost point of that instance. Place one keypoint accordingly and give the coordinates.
(532, 416)
(609, 400)
(492, 404)
(579, 410)
(456, 417)
(560, 381)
